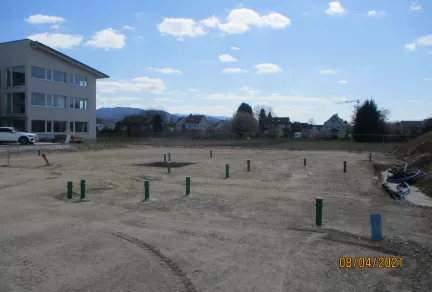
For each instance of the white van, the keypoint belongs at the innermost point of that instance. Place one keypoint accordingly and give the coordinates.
(298, 135)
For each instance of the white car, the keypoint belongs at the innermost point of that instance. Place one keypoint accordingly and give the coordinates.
(10, 134)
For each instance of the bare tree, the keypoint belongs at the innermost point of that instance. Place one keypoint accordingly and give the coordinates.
(311, 121)
(257, 110)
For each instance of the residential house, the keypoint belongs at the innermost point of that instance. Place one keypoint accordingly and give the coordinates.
(223, 126)
(281, 125)
(106, 125)
(311, 130)
(334, 127)
(409, 127)
(192, 123)
(46, 92)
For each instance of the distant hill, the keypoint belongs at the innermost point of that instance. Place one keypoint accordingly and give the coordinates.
(118, 113)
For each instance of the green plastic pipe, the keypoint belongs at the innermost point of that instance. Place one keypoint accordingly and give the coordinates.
(83, 189)
(319, 208)
(69, 190)
(304, 162)
(345, 166)
(187, 186)
(146, 190)
(248, 165)
(227, 171)
(169, 166)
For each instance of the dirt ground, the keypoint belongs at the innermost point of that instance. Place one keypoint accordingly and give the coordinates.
(252, 232)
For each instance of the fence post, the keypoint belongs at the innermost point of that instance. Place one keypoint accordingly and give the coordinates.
(169, 166)
(169, 157)
(227, 171)
(248, 165)
(345, 166)
(211, 153)
(304, 162)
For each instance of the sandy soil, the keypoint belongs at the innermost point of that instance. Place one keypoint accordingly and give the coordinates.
(252, 232)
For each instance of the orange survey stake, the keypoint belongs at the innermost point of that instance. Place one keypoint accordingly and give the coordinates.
(370, 262)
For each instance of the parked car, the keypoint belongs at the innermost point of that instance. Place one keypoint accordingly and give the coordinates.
(298, 135)
(10, 134)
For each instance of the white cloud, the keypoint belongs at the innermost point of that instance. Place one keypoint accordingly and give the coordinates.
(335, 8)
(227, 58)
(410, 46)
(342, 82)
(265, 68)
(238, 21)
(166, 70)
(374, 13)
(425, 40)
(430, 53)
(234, 70)
(57, 40)
(107, 38)
(139, 37)
(193, 90)
(128, 27)
(242, 19)
(180, 27)
(140, 84)
(235, 48)
(214, 110)
(211, 22)
(428, 79)
(168, 99)
(41, 19)
(249, 91)
(223, 96)
(113, 101)
(328, 71)
(414, 100)
(415, 7)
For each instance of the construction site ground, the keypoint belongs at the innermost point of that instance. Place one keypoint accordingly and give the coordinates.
(252, 232)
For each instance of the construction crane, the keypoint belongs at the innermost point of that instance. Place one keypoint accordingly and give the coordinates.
(350, 101)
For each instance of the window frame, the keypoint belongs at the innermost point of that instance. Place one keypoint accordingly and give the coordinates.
(49, 72)
(72, 103)
(10, 106)
(75, 127)
(49, 97)
(44, 123)
(72, 80)
(11, 77)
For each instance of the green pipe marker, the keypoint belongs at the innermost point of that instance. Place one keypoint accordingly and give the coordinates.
(227, 171)
(169, 157)
(83, 189)
(188, 186)
(370, 157)
(304, 162)
(39, 152)
(211, 153)
(345, 166)
(169, 166)
(146, 190)
(164, 158)
(318, 212)
(248, 165)
(69, 190)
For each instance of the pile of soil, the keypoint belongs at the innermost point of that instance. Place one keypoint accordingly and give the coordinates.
(418, 153)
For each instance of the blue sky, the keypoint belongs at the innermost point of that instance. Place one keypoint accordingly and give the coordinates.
(301, 57)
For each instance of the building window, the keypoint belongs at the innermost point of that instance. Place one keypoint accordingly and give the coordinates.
(37, 72)
(49, 127)
(79, 80)
(15, 76)
(47, 74)
(38, 126)
(59, 126)
(15, 103)
(71, 127)
(59, 76)
(78, 103)
(59, 101)
(81, 127)
(38, 99)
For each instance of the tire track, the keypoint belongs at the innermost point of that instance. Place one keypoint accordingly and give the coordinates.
(173, 266)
